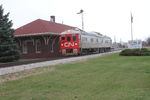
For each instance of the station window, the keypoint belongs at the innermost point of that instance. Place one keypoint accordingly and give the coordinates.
(25, 47)
(74, 37)
(63, 38)
(68, 38)
(38, 46)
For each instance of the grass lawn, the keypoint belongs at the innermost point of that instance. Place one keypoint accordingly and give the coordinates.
(110, 77)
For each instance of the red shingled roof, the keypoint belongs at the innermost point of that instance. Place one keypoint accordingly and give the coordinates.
(41, 26)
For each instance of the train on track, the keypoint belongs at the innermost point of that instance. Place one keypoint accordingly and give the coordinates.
(78, 42)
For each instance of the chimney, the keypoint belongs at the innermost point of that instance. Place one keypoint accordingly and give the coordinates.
(52, 19)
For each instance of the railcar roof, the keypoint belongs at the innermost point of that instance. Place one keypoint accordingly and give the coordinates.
(79, 31)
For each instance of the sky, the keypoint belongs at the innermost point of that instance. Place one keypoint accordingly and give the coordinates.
(109, 17)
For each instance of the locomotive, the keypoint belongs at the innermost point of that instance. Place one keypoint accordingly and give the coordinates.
(78, 42)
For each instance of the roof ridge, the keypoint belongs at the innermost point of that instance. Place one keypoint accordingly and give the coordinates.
(56, 23)
(29, 23)
(40, 25)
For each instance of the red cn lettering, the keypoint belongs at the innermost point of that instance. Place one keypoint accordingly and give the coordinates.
(68, 44)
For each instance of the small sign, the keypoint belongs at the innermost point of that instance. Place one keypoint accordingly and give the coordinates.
(133, 44)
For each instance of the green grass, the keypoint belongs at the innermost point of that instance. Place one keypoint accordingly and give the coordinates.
(110, 77)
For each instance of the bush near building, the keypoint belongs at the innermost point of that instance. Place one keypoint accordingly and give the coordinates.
(135, 52)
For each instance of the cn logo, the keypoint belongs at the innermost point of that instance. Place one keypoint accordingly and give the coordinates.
(68, 44)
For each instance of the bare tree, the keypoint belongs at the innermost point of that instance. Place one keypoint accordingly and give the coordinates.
(148, 41)
(144, 43)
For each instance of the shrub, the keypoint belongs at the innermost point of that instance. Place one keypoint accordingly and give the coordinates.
(145, 52)
(126, 52)
(135, 52)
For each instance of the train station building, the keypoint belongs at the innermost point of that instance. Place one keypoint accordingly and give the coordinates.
(40, 38)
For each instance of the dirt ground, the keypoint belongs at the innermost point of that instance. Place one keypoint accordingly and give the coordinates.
(26, 73)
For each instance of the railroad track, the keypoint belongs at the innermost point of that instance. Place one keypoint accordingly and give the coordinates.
(10, 64)
(18, 68)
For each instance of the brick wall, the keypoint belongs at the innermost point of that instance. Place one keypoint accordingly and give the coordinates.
(47, 50)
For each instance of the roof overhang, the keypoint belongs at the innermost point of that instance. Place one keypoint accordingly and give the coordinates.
(36, 34)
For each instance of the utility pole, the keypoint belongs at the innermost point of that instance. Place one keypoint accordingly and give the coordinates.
(115, 39)
(81, 12)
(131, 27)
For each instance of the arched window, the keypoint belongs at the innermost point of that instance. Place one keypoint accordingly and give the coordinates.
(25, 47)
(38, 46)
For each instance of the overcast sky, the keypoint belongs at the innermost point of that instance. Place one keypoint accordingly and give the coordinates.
(109, 17)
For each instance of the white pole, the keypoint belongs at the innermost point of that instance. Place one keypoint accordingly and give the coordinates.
(81, 12)
(131, 32)
(131, 27)
(82, 21)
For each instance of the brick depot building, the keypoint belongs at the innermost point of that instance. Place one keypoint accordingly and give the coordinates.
(40, 38)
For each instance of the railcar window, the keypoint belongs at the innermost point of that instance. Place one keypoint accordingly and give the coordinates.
(74, 37)
(97, 40)
(92, 40)
(84, 39)
(62, 38)
(106, 41)
(68, 38)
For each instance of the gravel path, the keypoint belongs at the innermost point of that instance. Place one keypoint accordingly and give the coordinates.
(18, 68)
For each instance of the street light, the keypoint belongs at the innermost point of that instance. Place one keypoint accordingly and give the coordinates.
(131, 27)
(81, 12)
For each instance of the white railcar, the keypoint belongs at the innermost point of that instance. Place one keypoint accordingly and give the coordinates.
(95, 42)
(86, 42)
